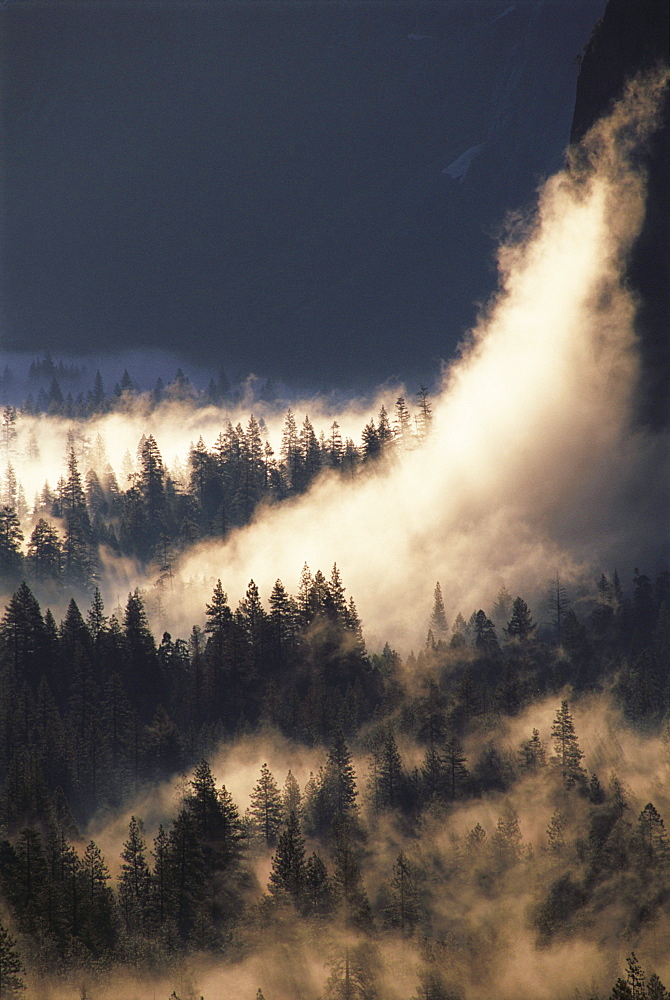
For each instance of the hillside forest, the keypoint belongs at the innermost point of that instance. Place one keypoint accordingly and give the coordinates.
(264, 808)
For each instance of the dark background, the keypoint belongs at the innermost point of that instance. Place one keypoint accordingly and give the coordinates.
(261, 185)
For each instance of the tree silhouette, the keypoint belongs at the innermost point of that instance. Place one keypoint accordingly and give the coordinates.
(11, 967)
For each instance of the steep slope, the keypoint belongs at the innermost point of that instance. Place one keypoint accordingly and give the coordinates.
(632, 37)
(310, 190)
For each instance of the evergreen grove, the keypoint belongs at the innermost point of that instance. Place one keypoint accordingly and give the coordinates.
(95, 711)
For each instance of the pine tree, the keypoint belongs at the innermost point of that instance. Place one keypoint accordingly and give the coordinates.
(11, 967)
(371, 446)
(558, 604)
(291, 798)
(266, 807)
(566, 748)
(287, 877)
(438, 618)
(340, 780)
(456, 771)
(403, 423)
(97, 911)
(635, 978)
(555, 833)
(283, 626)
(96, 618)
(134, 880)
(458, 632)
(506, 841)
(402, 910)
(160, 882)
(185, 875)
(502, 608)
(520, 625)
(45, 552)
(291, 453)
(433, 774)
(652, 838)
(390, 773)
(486, 640)
(425, 417)
(79, 557)
(655, 989)
(11, 538)
(532, 754)
(348, 880)
(319, 892)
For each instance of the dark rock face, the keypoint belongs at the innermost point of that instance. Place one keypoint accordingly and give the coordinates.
(309, 190)
(634, 35)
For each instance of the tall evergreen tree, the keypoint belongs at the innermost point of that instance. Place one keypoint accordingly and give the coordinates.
(390, 773)
(266, 807)
(11, 967)
(287, 877)
(134, 880)
(291, 797)
(520, 625)
(402, 910)
(558, 603)
(438, 618)
(340, 780)
(566, 747)
(45, 552)
(456, 771)
(11, 538)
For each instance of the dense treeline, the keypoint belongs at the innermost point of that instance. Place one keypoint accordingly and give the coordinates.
(66, 390)
(153, 513)
(94, 710)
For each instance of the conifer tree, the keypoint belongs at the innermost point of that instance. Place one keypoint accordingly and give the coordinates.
(319, 892)
(266, 807)
(11, 538)
(558, 603)
(506, 841)
(403, 423)
(555, 833)
(402, 910)
(532, 754)
(134, 880)
(486, 640)
(348, 880)
(45, 552)
(390, 773)
(520, 625)
(458, 632)
(291, 798)
(566, 747)
(652, 838)
(97, 910)
(438, 618)
(655, 989)
(425, 417)
(456, 771)
(287, 877)
(433, 774)
(11, 967)
(340, 780)
(161, 883)
(502, 608)
(185, 873)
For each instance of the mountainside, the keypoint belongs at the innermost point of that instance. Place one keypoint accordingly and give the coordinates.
(249, 182)
(631, 37)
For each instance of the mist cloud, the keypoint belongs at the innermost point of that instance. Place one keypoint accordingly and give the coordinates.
(532, 465)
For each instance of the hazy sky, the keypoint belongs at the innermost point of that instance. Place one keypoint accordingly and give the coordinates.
(310, 191)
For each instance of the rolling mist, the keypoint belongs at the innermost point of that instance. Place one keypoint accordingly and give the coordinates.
(532, 470)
